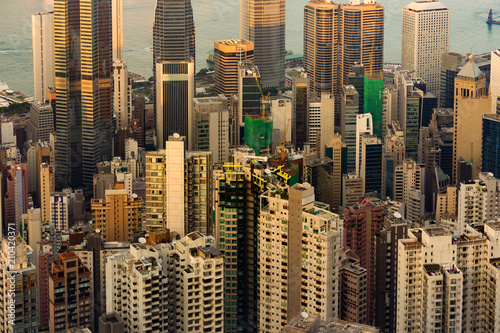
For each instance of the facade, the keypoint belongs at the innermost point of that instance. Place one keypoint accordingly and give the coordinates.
(350, 109)
(227, 54)
(352, 297)
(373, 103)
(470, 104)
(46, 187)
(59, 209)
(211, 126)
(319, 173)
(18, 269)
(495, 80)
(386, 260)
(174, 100)
(42, 25)
(41, 122)
(352, 189)
(83, 89)
(286, 217)
(425, 37)
(361, 223)
(313, 122)
(361, 36)
(364, 126)
(490, 158)
(300, 100)
(321, 45)
(117, 216)
(371, 164)
(337, 151)
(143, 308)
(408, 175)
(70, 294)
(450, 66)
(262, 22)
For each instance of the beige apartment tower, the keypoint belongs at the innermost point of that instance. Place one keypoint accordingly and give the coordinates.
(227, 54)
(425, 37)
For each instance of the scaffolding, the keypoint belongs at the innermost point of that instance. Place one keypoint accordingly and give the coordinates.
(258, 134)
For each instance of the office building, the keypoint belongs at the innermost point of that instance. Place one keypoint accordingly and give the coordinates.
(425, 37)
(19, 311)
(470, 104)
(415, 205)
(41, 122)
(337, 151)
(446, 203)
(281, 115)
(451, 64)
(117, 216)
(386, 260)
(389, 109)
(70, 297)
(490, 157)
(495, 80)
(248, 94)
(319, 173)
(174, 101)
(300, 100)
(361, 223)
(285, 260)
(321, 45)
(326, 122)
(83, 89)
(262, 22)
(42, 25)
(364, 126)
(352, 189)
(211, 126)
(227, 54)
(350, 109)
(371, 165)
(313, 121)
(356, 78)
(361, 36)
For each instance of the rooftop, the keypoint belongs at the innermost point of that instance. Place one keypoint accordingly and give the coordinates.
(471, 70)
(436, 232)
(418, 6)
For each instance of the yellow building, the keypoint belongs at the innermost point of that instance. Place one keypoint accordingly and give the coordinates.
(45, 187)
(470, 104)
(117, 216)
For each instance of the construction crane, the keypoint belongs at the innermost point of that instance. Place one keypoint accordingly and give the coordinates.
(284, 140)
(265, 99)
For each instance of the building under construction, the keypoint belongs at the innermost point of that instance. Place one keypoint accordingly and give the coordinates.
(258, 134)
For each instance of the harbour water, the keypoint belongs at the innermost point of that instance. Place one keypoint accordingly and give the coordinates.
(219, 19)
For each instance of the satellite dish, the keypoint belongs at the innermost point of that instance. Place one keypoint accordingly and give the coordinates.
(267, 171)
(97, 231)
(397, 215)
(142, 240)
(304, 315)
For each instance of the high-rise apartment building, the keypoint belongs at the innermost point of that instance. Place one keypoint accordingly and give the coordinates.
(352, 189)
(470, 104)
(42, 25)
(337, 151)
(425, 37)
(137, 288)
(408, 175)
(490, 158)
(321, 45)
(299, 248)
(211, 126)
(262, 22)
(361, 223)
(227, 54)
(19, 296)
(83, 88)
(41, 122)
(70, 297)
(117, 216)
(174, 100)
(45, 189)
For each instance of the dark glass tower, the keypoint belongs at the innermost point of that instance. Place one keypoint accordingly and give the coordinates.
(83, 67)
(490, 154)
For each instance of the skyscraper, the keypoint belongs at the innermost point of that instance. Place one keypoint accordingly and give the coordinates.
(495, 80)
(263, 23)
(361, 36)
(490, 157)
(426, 36)
(227, 54)
(43, 55)
(83, 88)
(321, 45)
(174, 93)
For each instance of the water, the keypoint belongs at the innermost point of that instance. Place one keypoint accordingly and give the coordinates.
(219, 19)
